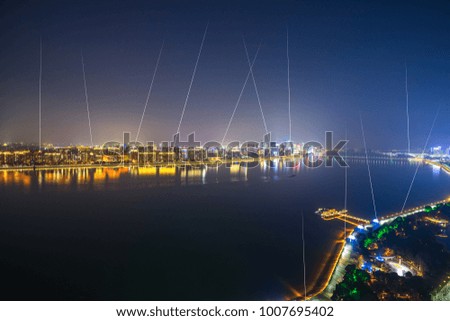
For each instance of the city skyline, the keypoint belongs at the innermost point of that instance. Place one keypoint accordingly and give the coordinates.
(327, 88)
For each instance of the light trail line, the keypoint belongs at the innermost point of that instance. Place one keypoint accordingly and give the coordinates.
(87, 98)
(368, 167)
(40, 93)
(192, 78)
(149, 92)
(304, 256)
(254, 84)
(407, 108)
(240, 96)
(418, 164)
(345, 189)
(289, 83)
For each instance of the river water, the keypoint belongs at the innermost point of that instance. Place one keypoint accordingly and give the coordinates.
(227, 233)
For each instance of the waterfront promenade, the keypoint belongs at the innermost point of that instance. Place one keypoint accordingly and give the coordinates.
(342, 255)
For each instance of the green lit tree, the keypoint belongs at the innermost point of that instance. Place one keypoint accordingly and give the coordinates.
(354, 286)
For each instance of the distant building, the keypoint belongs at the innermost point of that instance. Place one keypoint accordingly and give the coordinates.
(437, 150)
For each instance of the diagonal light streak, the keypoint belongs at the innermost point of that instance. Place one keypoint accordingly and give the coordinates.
(87, 99)
(192, 78)
(149, 92)
(418, 164)
(368, 168)
(240, 95)
(254, 84)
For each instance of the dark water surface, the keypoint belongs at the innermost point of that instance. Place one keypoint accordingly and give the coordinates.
(185, 234)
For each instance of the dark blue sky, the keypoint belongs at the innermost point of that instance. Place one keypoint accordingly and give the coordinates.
(346, 57)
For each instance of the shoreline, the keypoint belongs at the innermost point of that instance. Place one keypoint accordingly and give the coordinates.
(162, 164)
(444, 167)
(328, 272)
(209, 162)
(342, 260)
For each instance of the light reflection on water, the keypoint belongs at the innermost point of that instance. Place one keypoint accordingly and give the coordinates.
(328, 182)
(189, 174)
(391, 180)
(106, 177)
(232, 228)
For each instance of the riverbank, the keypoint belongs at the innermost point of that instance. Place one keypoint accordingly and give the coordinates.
(210, 162)
(344, 259)
(444, 167)
(331, 265)
(349, 256)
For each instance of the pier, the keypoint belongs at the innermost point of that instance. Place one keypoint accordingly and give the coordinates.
(333, 214)
(329, 214)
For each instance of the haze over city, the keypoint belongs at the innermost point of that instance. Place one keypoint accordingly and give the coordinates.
(345, 59)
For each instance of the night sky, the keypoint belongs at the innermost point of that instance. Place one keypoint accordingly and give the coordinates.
(346, 57)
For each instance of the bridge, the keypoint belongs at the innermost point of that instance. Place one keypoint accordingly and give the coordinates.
(411, 211)
(329, 214)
